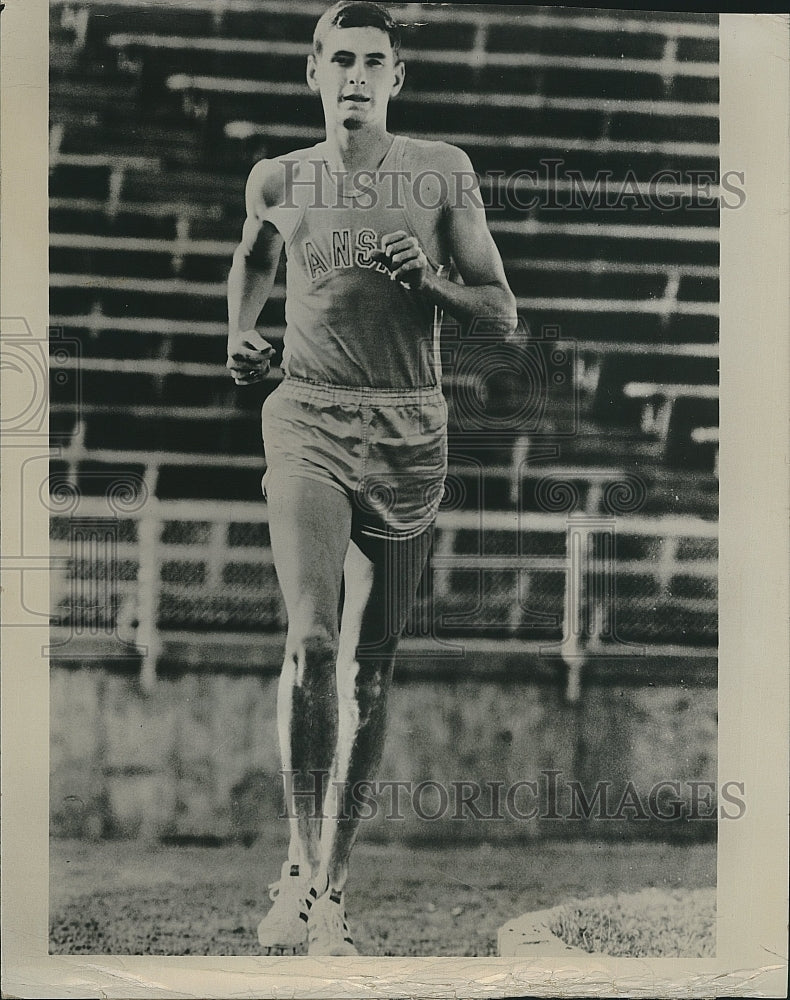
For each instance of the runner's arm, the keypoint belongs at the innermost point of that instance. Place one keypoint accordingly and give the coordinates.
(250, 283)
(485, 292)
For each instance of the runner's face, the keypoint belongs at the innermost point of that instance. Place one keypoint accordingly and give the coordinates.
(356, 75)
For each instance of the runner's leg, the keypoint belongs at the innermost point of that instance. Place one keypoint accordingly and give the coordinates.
(380, 584)
(310, 525)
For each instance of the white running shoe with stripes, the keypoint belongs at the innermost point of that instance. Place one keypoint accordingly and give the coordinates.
(283, 931)
(327, 928)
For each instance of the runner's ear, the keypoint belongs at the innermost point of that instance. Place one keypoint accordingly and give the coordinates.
(400, 76)
(312, 69)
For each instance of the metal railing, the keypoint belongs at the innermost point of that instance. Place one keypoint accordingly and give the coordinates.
(90, 547)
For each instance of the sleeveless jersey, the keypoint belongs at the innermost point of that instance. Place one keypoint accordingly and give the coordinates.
(347, 322)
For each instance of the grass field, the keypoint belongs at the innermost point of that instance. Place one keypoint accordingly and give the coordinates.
(649, 923)
(123, 897)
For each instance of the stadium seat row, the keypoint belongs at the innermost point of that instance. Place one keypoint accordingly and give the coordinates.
(216, 575)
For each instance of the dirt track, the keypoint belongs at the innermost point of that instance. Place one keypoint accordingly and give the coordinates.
(123, 897)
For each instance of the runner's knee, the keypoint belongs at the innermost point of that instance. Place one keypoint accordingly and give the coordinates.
(313, 647)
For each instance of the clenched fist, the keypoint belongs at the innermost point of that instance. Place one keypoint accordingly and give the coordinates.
(405, 258)
(249, 356)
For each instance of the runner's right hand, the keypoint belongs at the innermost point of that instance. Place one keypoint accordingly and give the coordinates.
(249, 356)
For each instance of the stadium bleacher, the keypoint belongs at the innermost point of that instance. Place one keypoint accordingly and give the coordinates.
(158, 110)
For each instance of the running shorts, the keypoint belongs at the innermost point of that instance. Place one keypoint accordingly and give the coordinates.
(385, 449)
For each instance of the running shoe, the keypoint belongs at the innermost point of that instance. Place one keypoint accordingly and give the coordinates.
(327, 928)
(283, 931)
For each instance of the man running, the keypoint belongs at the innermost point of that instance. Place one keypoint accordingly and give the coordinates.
(355, 435)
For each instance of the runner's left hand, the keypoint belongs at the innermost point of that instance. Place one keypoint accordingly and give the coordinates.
(407, 261)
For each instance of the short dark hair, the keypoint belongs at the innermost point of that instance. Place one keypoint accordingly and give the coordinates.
(358, 14)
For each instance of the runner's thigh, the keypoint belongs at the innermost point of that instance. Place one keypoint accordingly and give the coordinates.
(310, 525)
(381, 579)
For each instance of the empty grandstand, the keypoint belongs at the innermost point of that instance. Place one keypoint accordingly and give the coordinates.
(582, 528)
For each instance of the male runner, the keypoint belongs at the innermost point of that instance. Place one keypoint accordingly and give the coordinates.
(355, 435)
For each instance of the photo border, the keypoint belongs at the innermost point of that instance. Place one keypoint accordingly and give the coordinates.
(753, 689)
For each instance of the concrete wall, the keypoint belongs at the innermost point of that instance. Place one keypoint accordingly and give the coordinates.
(198, 758)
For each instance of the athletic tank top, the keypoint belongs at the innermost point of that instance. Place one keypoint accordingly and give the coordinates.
(347, 322)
